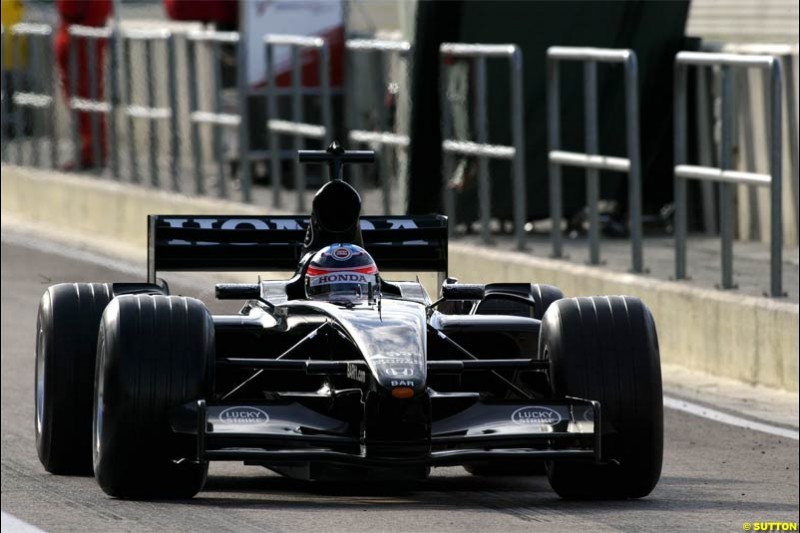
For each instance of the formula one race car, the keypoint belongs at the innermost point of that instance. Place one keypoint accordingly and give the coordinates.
(338, 372)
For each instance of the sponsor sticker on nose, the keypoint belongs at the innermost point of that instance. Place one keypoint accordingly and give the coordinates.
(535, 415)
(243, 415)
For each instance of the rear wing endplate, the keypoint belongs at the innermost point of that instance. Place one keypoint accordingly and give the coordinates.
(247, 243)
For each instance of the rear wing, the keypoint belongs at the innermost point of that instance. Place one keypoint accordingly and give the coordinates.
(247, 243)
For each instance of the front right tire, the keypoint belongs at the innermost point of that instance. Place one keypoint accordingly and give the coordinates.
(606, 349)
(155, 353)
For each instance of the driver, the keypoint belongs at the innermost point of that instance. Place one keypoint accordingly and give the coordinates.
(342, 273)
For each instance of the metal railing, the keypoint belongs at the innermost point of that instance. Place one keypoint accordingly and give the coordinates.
(216, 118)
(592, 161)
(40, 37)
(482, 149)
(786, 54)
(156, 102)
(382, 137)
(725, 175)
(4, 108)
(92, 103)
(149, 110)
(297, 128)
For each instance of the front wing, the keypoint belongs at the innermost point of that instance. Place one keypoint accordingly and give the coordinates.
(288, 432)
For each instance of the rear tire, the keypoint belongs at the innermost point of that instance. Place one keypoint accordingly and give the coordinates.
(606, 349)
(66, 344)
(154, 353)
(543, 297)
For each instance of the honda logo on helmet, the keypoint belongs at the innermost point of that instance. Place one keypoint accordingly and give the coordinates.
(340, 277)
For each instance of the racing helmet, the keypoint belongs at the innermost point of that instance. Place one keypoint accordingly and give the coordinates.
(341, 272)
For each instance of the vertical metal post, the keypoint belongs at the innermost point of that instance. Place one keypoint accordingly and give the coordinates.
(52, 88)
(174, 145)
(74, 44)
(272, 114)
(776, 170)
(44, 120)
(113, 100)
(705, 140)
(726, 189)
(128, 70)
(43, 75)
(19, 127)
(794, 150)
(744, 115)
(679, 147)
(356, 174)
(152, 130)
(216, 63)
(5, 98)
(243, 86)
(766, 88)
(447, 160)
(635, 171)
(197, 148)
(35, 67)
(297, 116)
(553, 143)
(518, 139)
(384, 151)
(592, 175)
(482, 136)
(325, 85)
(92, 66)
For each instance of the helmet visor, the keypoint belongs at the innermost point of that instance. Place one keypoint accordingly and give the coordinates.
(340, 285)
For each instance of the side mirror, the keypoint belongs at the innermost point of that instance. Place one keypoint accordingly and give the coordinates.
(238, 291)
(463, 291)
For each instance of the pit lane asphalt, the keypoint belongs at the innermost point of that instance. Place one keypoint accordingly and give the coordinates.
(715, 478)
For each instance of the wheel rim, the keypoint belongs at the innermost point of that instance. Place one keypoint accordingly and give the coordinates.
(97, 421)
(41, 350)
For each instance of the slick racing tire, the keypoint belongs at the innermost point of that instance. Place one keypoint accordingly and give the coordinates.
(66, 344)
(154, 353)
(543, 297)
(606, 349)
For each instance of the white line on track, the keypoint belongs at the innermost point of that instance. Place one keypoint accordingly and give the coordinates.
(37, 243)
(725, 418)
(12, 524)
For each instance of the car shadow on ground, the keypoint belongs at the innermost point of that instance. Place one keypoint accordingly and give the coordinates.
(512, 494)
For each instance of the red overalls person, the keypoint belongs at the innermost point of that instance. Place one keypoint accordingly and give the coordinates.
(84, 13)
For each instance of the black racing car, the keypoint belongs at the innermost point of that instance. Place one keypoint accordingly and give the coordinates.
(145, 388)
